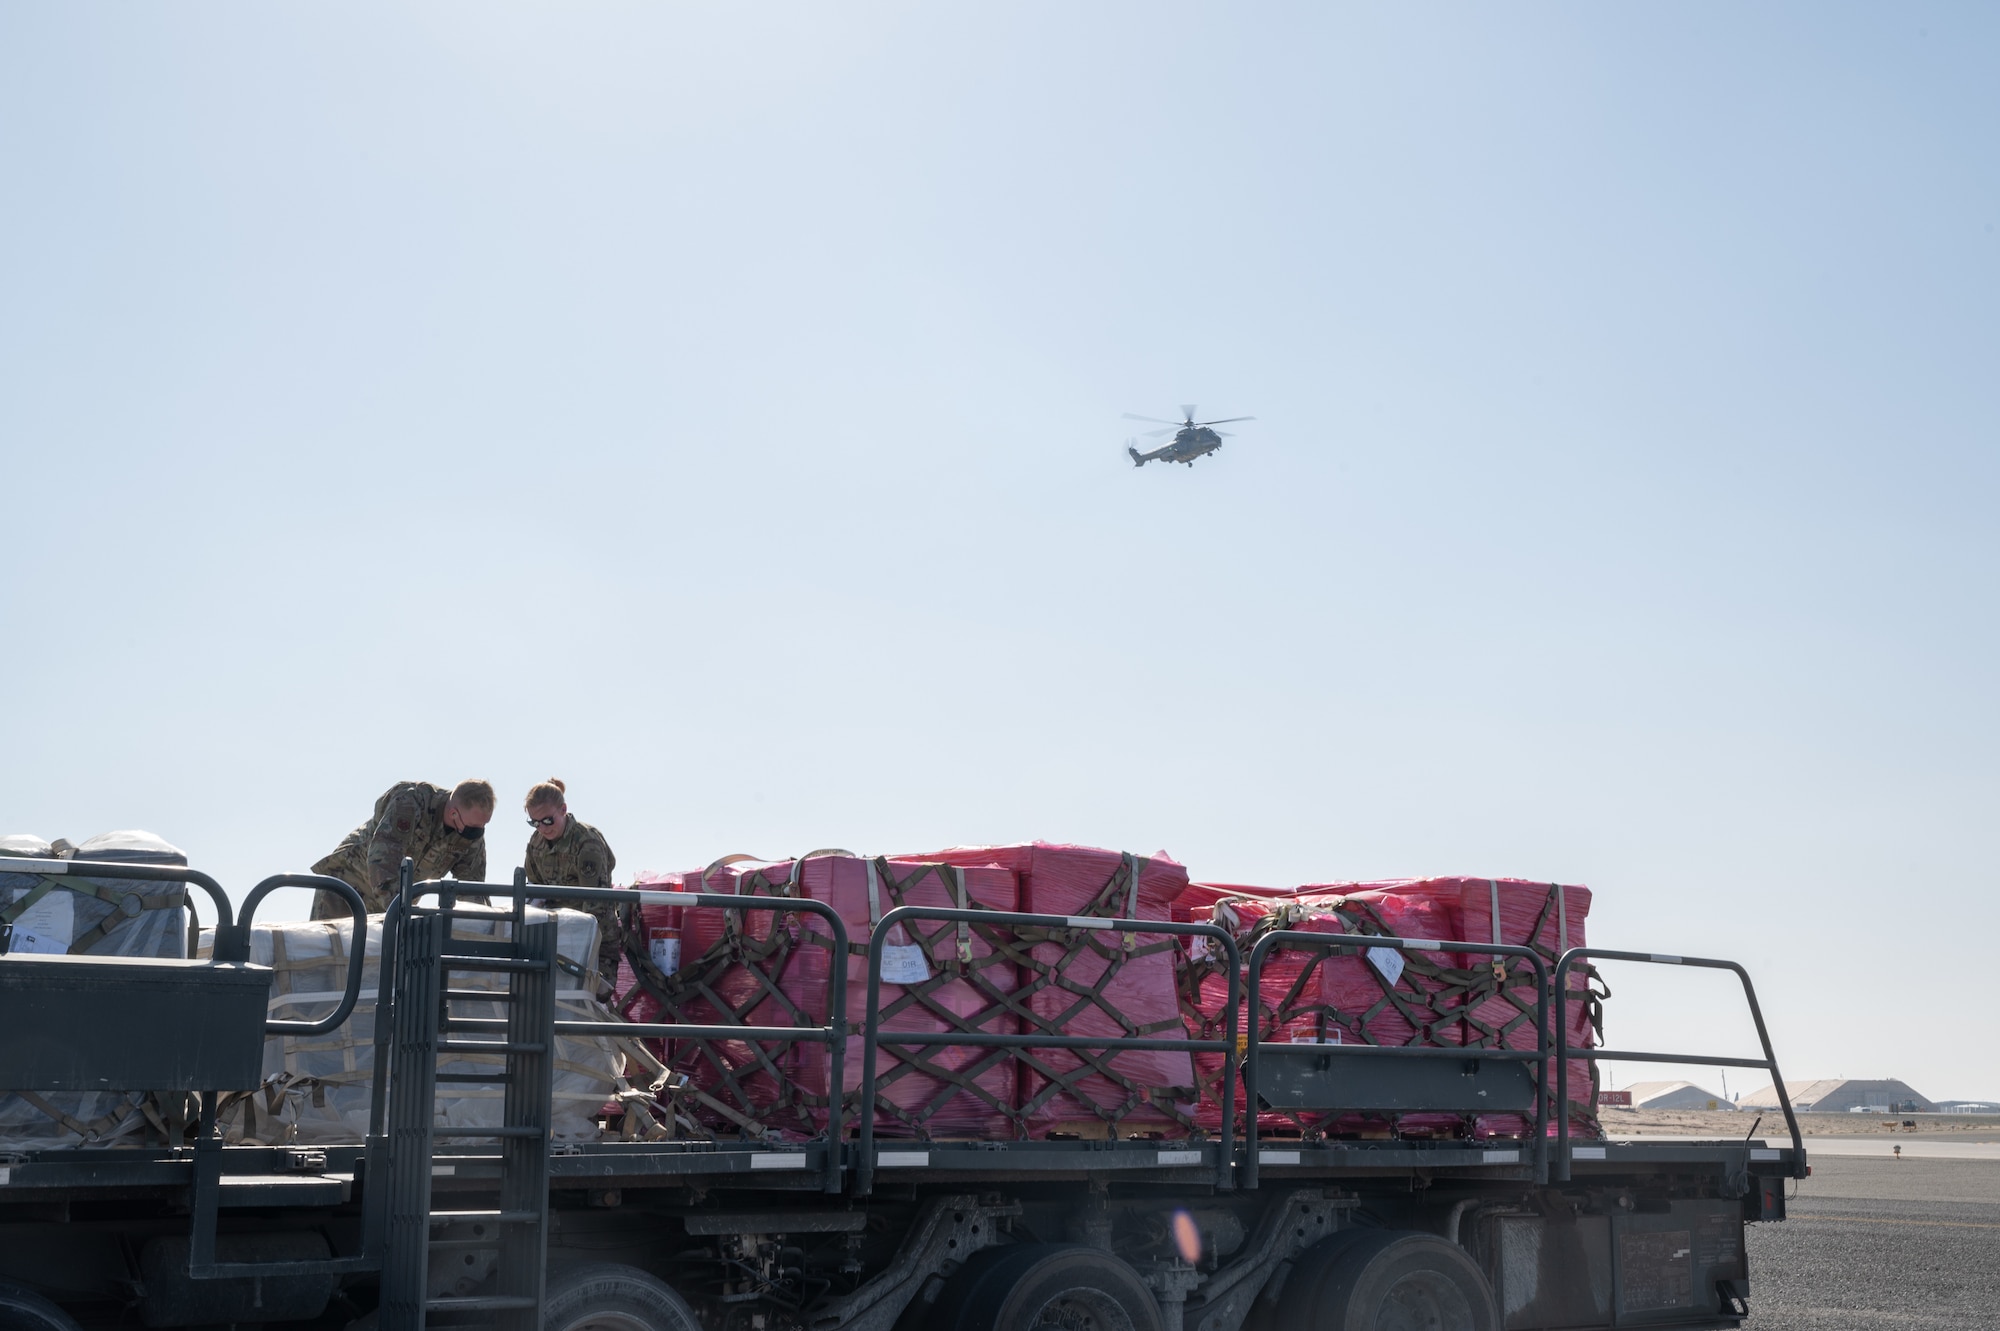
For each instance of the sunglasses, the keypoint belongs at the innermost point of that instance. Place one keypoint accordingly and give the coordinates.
(549, 821)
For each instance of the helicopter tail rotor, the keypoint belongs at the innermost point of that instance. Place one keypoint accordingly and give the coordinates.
(1132, 450)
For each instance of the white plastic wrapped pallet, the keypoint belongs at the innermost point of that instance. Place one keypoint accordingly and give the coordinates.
(102, 917)
(317, 1089)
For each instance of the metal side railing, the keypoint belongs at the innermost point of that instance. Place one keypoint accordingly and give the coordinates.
(833, 1033)
(1255, 1049)
(1560, 1172)
(874, 1036)
(236, 1031)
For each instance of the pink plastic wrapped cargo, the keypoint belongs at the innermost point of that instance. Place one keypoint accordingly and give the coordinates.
(1395, 998)
(1551, 918)
(1291, 1007)
(709, 969)
(1494, 1011)
(938, 977)
(1098, 983)
(1310, 997)
(1194, 901)
(781, 979)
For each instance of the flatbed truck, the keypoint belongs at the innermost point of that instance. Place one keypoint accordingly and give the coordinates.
(423, 1225)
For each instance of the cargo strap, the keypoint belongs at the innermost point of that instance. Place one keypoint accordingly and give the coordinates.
(89, 1130)
(125, 905)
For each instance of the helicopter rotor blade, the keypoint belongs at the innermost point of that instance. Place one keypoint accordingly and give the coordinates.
(1154, 419)
(1226, 420)
(1188, 412)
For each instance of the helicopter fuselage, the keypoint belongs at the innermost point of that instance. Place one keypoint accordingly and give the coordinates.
(1193, 442)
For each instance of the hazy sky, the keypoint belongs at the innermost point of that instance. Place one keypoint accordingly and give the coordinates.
(719, 408)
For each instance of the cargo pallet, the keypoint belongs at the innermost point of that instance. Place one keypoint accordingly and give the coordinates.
(423, 1225)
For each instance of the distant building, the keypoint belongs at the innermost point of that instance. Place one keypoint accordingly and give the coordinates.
(1839, 1095)
(1675, 1095)
(1968, 1106)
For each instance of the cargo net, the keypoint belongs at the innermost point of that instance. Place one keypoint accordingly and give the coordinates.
(1385, 997)
(763, 968)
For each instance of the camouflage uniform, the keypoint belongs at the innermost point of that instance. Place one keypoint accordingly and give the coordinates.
(581, 857)
(408, 820)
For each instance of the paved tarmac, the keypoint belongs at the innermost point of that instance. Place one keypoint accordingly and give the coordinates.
(1874, 1243)
(1883, 1147)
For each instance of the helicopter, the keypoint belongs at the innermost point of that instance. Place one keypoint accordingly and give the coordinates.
(1192, 438)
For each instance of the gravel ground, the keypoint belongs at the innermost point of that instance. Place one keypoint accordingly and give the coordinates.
(1870, 1244)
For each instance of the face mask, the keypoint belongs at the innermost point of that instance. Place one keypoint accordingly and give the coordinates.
(472, 833)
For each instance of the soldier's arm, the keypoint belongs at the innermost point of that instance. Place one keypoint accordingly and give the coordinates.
(595, 871)
(593, 868)
(386, 847)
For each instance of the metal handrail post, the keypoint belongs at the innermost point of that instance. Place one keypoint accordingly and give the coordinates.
(357, 958)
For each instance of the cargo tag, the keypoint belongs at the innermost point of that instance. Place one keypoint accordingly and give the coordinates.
(905, 964)
(665, 947)
(1388, 961)
(48, 926)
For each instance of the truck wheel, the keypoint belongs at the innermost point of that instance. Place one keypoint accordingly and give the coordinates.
(603, 1296)
(1386, 1280)
(1033, 1285)
(24, 1310)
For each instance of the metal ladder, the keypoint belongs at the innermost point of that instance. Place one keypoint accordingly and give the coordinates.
(426, 956)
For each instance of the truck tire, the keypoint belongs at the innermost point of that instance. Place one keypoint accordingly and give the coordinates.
(603, 1296)
(22, 1309)
(1029, 1285)
(1386, 1280)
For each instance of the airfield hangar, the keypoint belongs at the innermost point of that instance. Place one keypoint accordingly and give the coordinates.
(1838, 1095)
(1675, 1095)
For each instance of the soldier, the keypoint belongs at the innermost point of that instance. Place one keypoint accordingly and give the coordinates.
(564, 851)
(440, 829)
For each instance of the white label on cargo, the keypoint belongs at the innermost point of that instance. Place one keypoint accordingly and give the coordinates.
(1199, 947)
(1588, 1153)
(779, 1160)
(905, 964)
(903, 1159)
(666, 954)
(49, 926)
(1763, 1153)
(1388, 961)
(1277, 1157)
(1180, 1157)
(1503, 1157)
